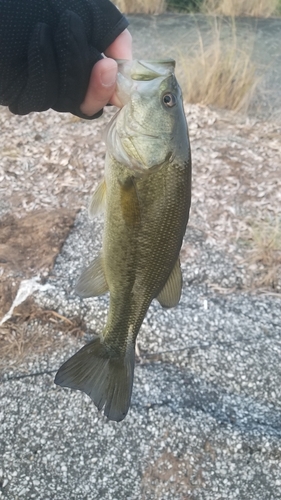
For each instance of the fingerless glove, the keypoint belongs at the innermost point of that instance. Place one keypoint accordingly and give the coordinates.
(48, 49)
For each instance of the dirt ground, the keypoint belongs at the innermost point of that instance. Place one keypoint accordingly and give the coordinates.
(51, 162)
(43, 184)
(29, 245)
(235, 205)
(205, 416)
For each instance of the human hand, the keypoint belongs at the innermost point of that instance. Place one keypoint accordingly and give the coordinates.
(101, 89)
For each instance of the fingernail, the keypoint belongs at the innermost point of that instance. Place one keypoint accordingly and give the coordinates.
(108, 77)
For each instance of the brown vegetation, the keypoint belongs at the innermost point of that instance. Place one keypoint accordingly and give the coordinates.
(141, 6)
(34, 331)
(233, 8)
(28, 247)
(219, 73)
(264, 252)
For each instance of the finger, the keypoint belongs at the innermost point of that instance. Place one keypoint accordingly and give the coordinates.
(121, 48)
(115, 101)
(101, 86)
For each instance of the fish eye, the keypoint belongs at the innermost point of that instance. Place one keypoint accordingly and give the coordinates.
(169, 100)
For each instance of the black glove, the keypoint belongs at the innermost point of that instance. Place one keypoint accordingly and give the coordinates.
(48, 49)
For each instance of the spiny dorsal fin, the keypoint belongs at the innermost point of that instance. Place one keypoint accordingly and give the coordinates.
(171, 292)
(92, 281)
(97, 202)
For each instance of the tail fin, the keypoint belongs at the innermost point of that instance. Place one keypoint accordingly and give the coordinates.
(107, 379)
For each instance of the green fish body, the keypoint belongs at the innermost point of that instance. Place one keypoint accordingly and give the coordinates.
(145, 196)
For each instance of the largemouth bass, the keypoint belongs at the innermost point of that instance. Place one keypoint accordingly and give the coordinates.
(145, 196)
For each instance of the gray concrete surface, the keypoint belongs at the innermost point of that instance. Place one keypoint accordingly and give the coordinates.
(205, 416)
(205, 419)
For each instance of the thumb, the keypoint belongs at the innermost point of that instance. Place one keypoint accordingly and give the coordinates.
(101, 86)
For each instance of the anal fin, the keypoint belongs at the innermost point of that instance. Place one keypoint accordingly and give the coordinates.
(171, 292)
(92, 281)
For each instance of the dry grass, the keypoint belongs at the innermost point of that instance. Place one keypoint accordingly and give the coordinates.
(28, 247)
(19, 342)
(141, 6)
(219, 74)
(264, 241)
(233, 8)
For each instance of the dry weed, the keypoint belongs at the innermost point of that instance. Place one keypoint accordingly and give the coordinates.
(264, 255)
(256, 8)
(18, 341)
(18, 344)
(219, 74)
(141, 6)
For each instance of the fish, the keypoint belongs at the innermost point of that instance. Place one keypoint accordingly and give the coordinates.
(145, 196)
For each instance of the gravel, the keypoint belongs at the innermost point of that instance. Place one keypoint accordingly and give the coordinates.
(204, 422)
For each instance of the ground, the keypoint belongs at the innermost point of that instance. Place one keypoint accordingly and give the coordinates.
(205, 416)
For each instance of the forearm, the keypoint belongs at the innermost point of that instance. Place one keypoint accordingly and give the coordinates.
(48, 49)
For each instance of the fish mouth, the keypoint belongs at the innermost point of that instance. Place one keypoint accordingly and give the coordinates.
(145, 70)
(130, 73)
(132, 138)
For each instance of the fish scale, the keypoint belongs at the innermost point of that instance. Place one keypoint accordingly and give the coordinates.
(145, 195)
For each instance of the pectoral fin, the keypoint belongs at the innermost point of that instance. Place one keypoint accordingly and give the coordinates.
(97, 202)
(92, 281)
(171, 292)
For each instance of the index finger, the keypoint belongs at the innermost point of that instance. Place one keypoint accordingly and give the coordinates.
(121, 48)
